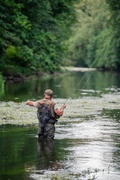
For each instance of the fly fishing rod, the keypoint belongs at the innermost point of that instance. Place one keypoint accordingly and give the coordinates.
(98, 59)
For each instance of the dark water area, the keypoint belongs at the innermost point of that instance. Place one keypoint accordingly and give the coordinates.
(87, 138)
(21, 152)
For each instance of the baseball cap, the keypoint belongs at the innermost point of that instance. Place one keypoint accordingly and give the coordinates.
(49, 92)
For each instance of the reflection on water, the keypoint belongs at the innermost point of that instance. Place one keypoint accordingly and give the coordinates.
(94, 147)
(87, 140)
(47, 156)
(72, 84)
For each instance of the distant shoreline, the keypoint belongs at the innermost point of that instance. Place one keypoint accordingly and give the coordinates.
(18, 78)
(82, 69)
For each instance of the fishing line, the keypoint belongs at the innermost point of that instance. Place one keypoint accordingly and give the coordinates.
(101, 55)
(76, 95)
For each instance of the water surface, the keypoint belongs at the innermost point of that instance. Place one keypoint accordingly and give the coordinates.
(87, 138)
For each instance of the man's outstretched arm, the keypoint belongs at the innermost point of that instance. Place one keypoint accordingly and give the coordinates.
(30, 103)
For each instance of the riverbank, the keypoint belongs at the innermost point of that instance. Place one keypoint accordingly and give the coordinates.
(19, 78)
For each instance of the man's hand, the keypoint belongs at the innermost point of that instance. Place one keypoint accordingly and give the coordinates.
(60, 111)
(30, 103)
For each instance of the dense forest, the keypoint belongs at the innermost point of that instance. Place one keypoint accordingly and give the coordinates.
(43, 35)
(96, 39)
(32, 35)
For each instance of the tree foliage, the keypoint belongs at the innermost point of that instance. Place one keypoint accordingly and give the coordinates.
(93, 44)
(114, 7)
(33, 33)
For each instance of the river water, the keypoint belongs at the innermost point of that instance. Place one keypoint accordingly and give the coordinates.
(87, 138)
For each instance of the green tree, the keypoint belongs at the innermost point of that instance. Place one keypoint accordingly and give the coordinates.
(93, 43)
(13, 36)
(33, 34)
(114, 21)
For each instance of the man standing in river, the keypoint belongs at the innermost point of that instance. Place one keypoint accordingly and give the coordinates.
(47, 114)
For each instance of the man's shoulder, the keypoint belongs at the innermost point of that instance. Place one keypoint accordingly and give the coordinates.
(48, 102)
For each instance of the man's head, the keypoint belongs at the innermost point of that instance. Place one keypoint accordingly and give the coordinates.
(48, 92)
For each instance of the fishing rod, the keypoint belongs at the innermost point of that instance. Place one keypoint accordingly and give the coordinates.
(101, 55)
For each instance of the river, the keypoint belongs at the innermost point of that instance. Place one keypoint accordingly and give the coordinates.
(87, 138)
